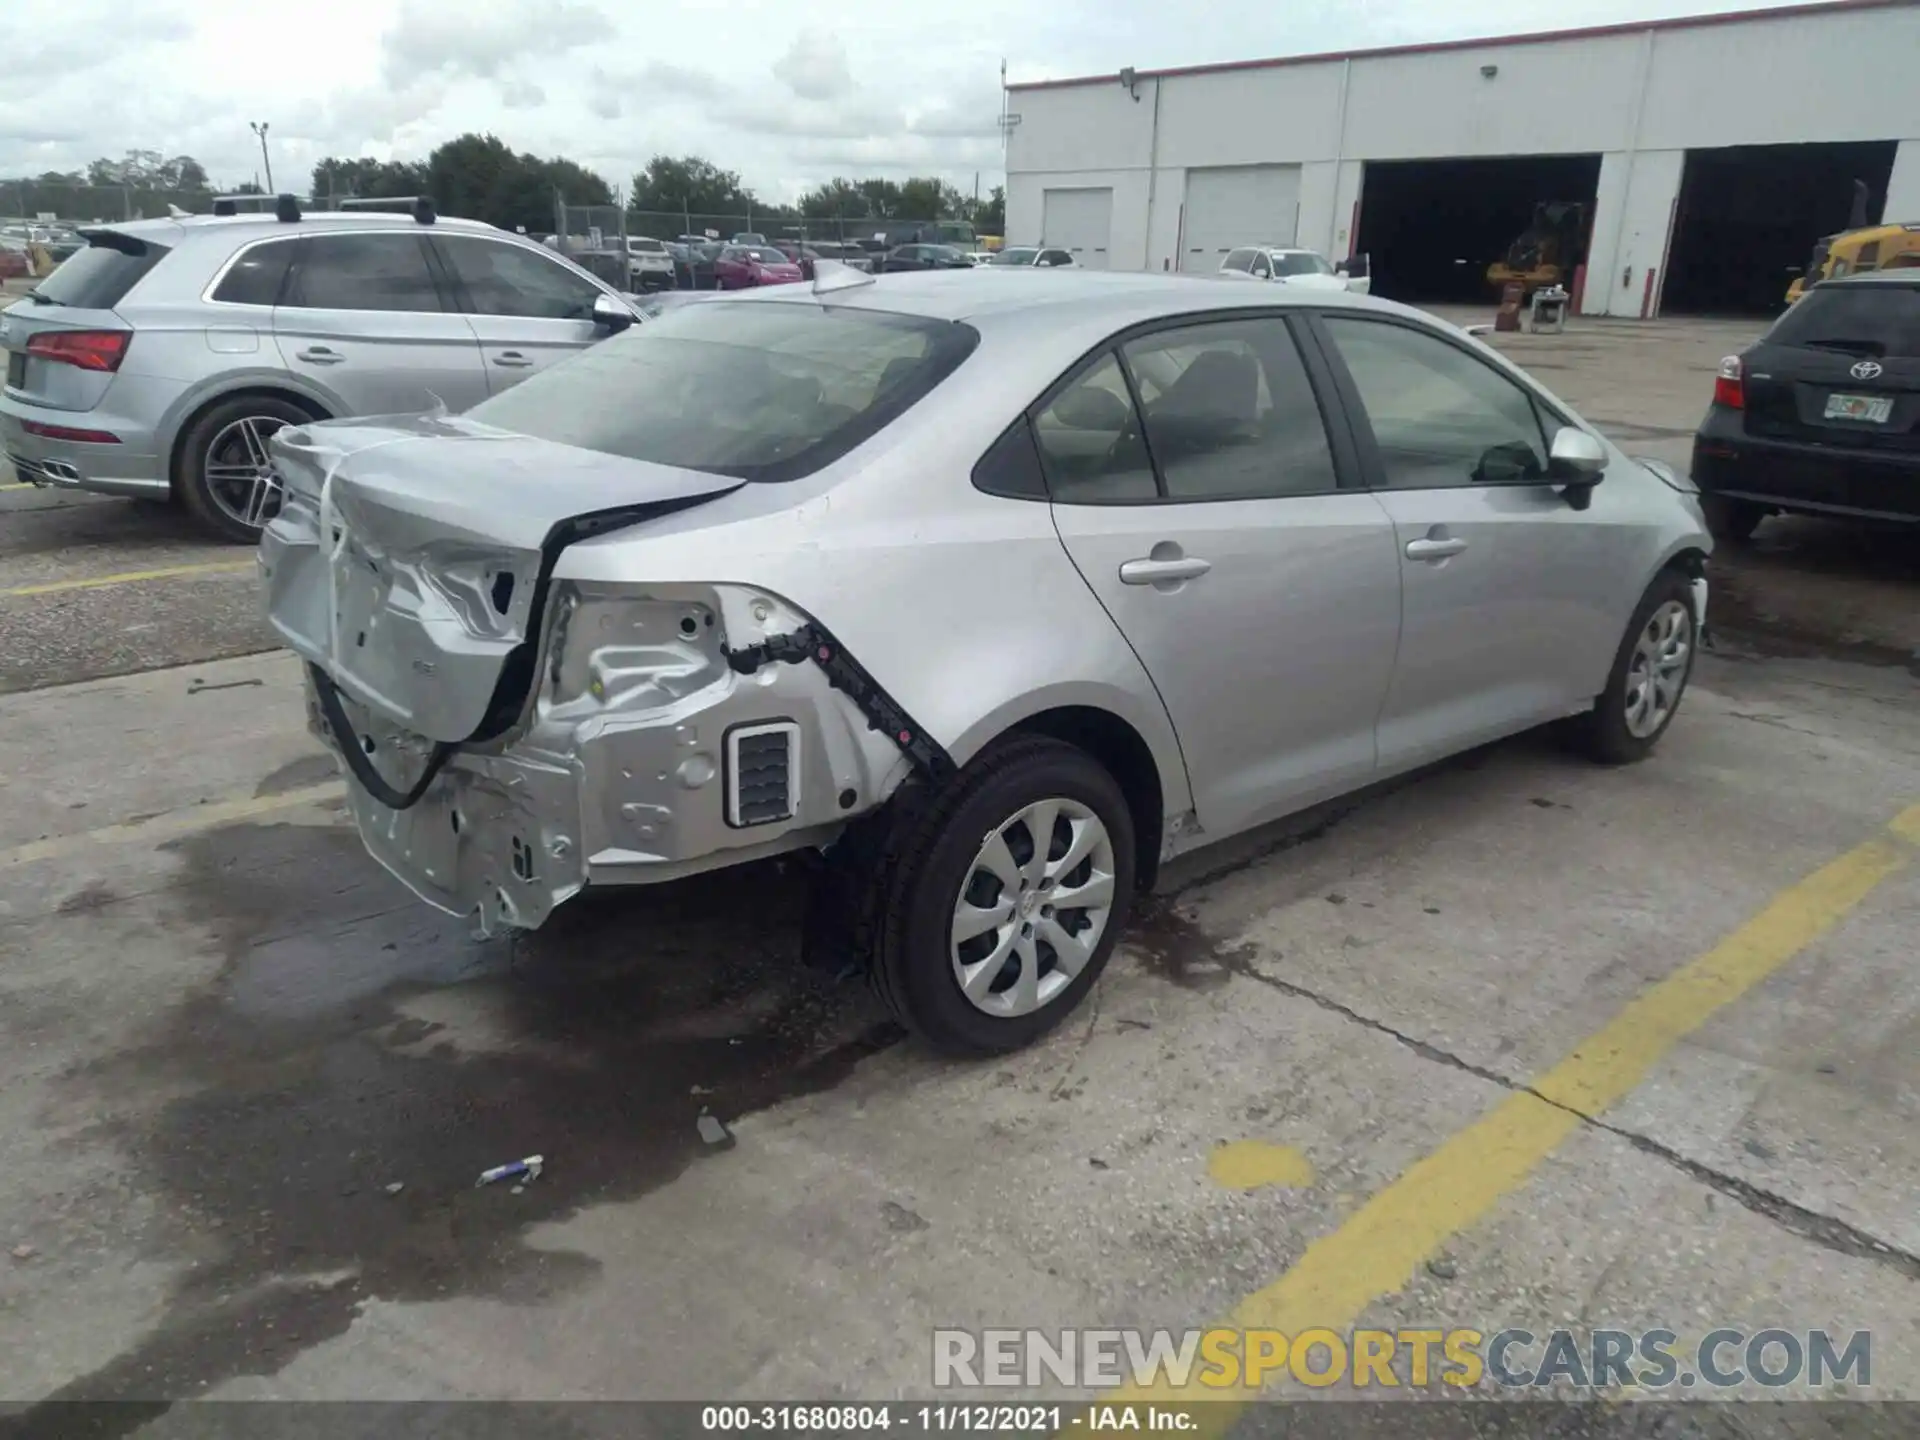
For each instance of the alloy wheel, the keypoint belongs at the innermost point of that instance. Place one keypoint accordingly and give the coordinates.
(1657, 673)
(239, 470)
(1033, 907)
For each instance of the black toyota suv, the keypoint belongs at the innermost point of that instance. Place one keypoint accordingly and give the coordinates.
(1822, 415)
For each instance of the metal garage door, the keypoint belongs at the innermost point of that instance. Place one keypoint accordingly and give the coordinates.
(1233, 205)
(1079, 221)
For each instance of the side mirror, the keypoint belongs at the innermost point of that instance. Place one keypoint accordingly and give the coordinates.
(1578, 461)
(610, 315)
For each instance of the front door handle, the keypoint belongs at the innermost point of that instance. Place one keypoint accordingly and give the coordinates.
(512, 359)
(319, 355)
(1434, 549)
(1161, 572)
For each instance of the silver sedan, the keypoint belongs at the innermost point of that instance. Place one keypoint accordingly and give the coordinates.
(998, 592)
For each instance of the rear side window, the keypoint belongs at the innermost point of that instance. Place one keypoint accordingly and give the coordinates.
(767, 392)
(256, 275)
(1870, 320)
(376, 270)
(1239, 260)
(1090, 442)
(100, 276)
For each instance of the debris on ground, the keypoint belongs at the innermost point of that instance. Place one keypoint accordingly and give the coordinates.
(900, 1218)
(396, 1187)
(715, 1134)
(23, 1252)
(1442, 1269)
(528, 1168)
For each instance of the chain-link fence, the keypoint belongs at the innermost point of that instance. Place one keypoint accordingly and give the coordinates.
(593, 237)
(106, 204)
(779, 225)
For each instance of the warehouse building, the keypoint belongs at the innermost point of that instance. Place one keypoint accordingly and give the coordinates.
(1691, 165)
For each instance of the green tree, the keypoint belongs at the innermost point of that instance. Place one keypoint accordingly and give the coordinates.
(990, 215)
(480, 177)
(838, 197)
(368, 179)
(689, 185)
(929, 198)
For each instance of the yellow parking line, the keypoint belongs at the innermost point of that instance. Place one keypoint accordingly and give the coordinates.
(130, 577)
(1383, 1243)
(15, 485)
(170, 826)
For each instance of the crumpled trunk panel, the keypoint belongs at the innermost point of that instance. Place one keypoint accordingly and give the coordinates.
(410, 557)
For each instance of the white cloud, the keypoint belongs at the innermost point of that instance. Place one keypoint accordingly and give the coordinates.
(758, 86)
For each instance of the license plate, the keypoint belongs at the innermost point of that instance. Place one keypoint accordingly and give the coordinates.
(1873, 409)
(17, 369)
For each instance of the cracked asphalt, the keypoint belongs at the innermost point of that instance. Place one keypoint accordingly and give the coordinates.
(1523, 1043)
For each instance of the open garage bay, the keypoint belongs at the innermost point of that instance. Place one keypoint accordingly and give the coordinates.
(1430, 228)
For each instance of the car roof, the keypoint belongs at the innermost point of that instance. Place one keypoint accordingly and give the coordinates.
(971, 295)
(1893, 275)
(252, 226)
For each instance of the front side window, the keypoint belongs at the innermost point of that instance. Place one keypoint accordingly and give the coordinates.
(1440, 417)
(1090, 445)
(1230, 413)
(1019, 255)
(1260, 270)
(759, 392)
(503, 279)
(380, 270)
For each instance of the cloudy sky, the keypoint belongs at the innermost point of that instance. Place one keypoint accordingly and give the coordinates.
(787, 92)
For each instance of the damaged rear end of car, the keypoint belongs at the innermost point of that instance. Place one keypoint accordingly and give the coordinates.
(512, 736)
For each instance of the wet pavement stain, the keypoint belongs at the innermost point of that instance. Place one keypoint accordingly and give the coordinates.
(355, 1039)
(298, 774)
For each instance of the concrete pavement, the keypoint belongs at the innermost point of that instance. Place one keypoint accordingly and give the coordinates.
(221, 1043)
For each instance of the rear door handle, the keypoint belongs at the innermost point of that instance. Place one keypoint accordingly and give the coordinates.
(1434, 549)
(512, 359)
(319, 355)
(1159, 572)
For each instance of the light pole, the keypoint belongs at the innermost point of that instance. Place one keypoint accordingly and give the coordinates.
(259, 127)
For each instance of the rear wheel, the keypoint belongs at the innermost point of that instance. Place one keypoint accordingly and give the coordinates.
(226, 478)
(1006, 899)
(1731, 520)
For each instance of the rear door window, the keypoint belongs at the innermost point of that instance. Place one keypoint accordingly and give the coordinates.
(766, 392)
(1230, 412)
(257, 274)
(1870, 320)
(100, 276)
(370, 270)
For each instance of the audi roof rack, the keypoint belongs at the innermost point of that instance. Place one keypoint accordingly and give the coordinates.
(286, 208)
(419, 206)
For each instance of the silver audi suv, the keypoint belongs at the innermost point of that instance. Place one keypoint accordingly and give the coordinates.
(157, 361)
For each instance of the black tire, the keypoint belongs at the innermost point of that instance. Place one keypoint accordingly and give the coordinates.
(190, 479)
(1602, 733)
(1731, 520)
(921, 879)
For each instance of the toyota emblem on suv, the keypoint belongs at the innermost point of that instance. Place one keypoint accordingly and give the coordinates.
(1865, 370)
